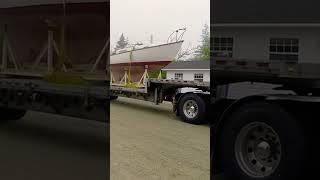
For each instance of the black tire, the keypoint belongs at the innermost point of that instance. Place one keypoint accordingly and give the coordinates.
(199, 118)
(9, 114)
(113, 98)
(290, 135)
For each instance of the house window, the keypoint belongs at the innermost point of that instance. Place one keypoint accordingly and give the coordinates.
(198, 77)
(285, 49)
(222, 47)
(178, 76)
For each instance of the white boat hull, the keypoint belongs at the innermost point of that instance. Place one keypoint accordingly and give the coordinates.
(165, 52)
(153, 58)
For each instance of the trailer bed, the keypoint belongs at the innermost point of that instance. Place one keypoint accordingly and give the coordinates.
(289, 74)
(157, 90)
(163, 82)
(88, 102)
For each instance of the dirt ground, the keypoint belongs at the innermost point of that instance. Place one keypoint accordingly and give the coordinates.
(49, 147)
(149, 142)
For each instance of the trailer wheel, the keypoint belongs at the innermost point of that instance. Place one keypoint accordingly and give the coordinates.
(113, 98)
(262, 141)
(9, 114)
(192, 109)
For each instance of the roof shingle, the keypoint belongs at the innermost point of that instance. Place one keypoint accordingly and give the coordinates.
(268, 11)
(203, 65)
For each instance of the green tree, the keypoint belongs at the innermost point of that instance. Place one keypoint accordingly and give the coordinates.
(203, 51)
(122, 43)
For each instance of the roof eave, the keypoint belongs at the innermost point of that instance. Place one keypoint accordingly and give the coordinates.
(265, 25)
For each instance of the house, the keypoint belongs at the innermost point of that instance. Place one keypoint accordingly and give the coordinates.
(270, 30)
(265, 31)
(189, 70)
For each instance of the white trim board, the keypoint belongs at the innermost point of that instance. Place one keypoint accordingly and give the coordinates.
(185, 69)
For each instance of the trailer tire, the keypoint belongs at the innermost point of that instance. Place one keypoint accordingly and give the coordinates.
(192, 109)
(113, 98)
(10, 114)
(278, 142)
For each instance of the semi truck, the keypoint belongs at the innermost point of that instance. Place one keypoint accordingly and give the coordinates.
(264, 136)
(190, 99)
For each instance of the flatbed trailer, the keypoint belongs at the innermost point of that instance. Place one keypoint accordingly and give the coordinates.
(264, 136)
(191, 105)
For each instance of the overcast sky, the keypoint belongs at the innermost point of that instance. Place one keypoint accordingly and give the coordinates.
(138, 19)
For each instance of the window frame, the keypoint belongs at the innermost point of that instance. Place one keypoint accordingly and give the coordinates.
(180, 76)
(230, 53)
(200, 79)
(284, 45)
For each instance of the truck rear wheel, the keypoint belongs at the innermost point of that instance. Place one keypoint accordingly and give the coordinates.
(9, 114)
(262, 141)
(192, 109)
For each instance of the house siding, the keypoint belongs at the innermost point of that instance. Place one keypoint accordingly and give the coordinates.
(253, 42)
(189, 75)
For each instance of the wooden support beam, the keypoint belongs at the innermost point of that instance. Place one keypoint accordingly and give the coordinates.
(112, 80)
(124, 79)
(5, 51)
(160, 75)
(55, 46)
(11, 56)
(103, 51)
(50, 51)
(40, 56)
(144, 77)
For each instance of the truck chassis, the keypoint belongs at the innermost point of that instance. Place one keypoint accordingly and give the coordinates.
(191, 106)
(263, 136)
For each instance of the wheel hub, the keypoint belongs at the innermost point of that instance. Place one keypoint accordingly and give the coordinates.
(258, 150)
(190, 109)
(263, 150)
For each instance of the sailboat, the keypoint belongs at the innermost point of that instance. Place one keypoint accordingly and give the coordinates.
(139, 58)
